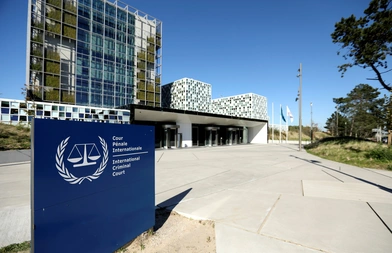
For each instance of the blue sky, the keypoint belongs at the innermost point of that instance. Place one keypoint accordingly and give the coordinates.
(236, 46)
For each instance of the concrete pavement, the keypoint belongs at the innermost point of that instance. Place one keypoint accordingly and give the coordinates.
(263, 198)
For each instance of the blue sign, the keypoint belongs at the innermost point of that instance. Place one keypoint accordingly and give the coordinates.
(93, 185)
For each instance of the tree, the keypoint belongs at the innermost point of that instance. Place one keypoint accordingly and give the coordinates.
(387, 112)
(362, 110)
(368, 40)
(336, 124)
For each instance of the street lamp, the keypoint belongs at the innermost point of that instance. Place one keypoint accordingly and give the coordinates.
(311, 122)
(337, 121)
(300, 105)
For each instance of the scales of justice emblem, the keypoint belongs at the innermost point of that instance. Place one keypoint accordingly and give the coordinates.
(81, 155)
(76, 155)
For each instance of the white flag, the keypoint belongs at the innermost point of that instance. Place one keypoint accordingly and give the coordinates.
(289, 114)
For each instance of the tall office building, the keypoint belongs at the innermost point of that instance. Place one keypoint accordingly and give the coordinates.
(248, 105)
(187, 94)
(93, 52)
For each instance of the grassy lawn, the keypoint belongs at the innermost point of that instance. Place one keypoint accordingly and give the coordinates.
(14, 137)
(16, 247)
(358, 152)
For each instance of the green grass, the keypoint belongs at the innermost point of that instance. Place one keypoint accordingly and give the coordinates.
(14, 137)
(354, 151)
(16, 247)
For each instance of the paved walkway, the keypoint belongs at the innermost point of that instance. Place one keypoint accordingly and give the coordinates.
(264, 198)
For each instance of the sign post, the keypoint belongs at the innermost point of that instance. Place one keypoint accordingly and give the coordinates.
(93, 185)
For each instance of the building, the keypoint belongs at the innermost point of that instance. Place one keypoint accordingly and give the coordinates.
(222, 121)
(21, 112)
(187, 94)
(100, 61)
(248, 105)
(97, 53)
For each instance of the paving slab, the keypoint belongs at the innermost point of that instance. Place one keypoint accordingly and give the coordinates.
(255, 194)
(230, 240)
(15, 225)
(348, 191)
(14, 185)
(241, 209)
(384, 211)
(328, 225)
(15, 156)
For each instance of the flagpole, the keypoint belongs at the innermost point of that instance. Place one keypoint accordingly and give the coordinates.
(273, 130)
(280, 126)
(287, 126)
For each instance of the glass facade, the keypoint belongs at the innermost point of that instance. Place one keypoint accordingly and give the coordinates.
(93, 53)
(20, 112)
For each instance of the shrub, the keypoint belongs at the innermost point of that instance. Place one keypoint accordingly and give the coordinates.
(380, 153)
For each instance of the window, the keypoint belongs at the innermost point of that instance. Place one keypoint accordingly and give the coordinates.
(98, 17)
(98, 5)
(97, 28)
(109, 32)
(110, 10)
(84, 11)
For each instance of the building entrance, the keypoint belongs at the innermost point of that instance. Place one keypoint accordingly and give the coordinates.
(212, 136)
(232, 135)
(170, 135)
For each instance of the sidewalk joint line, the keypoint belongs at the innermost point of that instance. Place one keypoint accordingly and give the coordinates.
(160, 157)
(14, 164)
(195, 156)
(291, 242)
(193, 182)
(379, 217)
(269, 213)
(377, 172)
(332, 176)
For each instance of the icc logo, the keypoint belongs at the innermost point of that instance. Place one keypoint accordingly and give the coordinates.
(81, 155)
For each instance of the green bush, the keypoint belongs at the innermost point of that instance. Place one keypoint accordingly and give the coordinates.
(151, 40)
(38, 24)
(52, 67)
(141, 55)
(140, 94)
(150, 58)
(54, 2)
(69, 19)
(150, 48)
(70, 32)
(150, 96)
(380, 153)
(150, 86)
(141, 75)
(52, 95)
(141, 65)
(50, 54)
(36, 66)
(36, 52)
(56, 28)
(52, 81)
(69, 7)
(54, 14)
(37, 38)
(67, 97)
(17, 247)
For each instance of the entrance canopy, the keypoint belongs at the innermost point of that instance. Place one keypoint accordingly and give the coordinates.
(145, 113)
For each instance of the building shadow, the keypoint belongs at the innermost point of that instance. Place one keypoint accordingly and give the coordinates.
(163, 210)
(318, 163)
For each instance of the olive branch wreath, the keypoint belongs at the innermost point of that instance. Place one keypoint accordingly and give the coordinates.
(69, 177)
